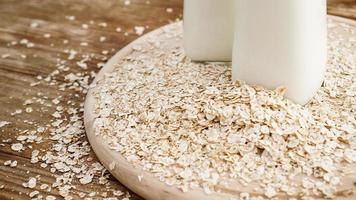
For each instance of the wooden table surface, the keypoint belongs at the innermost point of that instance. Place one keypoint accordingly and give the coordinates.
(36, 37)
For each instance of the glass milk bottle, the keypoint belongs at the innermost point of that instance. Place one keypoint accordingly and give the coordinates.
(281, 43)
(208, 29)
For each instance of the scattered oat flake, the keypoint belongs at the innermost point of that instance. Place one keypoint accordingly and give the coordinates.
(118, 29)
(34, 25)
(13, 163)
(34, 193)
(55, 101)
(50, 197)
(71, 18)
(24, 41)
(6, 55)
(72, 54)
(4, 123)
(83, 44)
(139, 30)
(112, 165)
(140, 177)
(29, 109)
(8, 162)
(17, 147)
(43, 186)
(32, 182)
(103, 24)
(86, 179)
(102, 39)
(85, 26)
(30, 45)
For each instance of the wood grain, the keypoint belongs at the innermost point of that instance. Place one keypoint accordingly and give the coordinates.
(343, 8)
(17, 72)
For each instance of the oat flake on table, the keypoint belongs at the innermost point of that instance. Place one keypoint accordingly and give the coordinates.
(190, 126)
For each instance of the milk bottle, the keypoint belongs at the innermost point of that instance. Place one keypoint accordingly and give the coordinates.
(208, 29)
(281, 43)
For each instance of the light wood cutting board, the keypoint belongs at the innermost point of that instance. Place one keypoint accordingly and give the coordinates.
(150, 187)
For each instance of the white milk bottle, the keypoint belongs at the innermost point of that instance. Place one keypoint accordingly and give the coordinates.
(281, 43)
(208, 29)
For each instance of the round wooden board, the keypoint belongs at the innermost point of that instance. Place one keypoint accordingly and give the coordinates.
(150, 187)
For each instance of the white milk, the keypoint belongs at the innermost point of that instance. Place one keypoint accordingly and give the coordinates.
(208, 29)
(281, 43)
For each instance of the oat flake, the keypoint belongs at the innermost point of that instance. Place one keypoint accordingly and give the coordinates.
(17, 147)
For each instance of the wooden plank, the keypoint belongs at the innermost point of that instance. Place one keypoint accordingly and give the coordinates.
(343, 8)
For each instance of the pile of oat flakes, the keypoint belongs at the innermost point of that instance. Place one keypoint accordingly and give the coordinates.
(192, 127)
